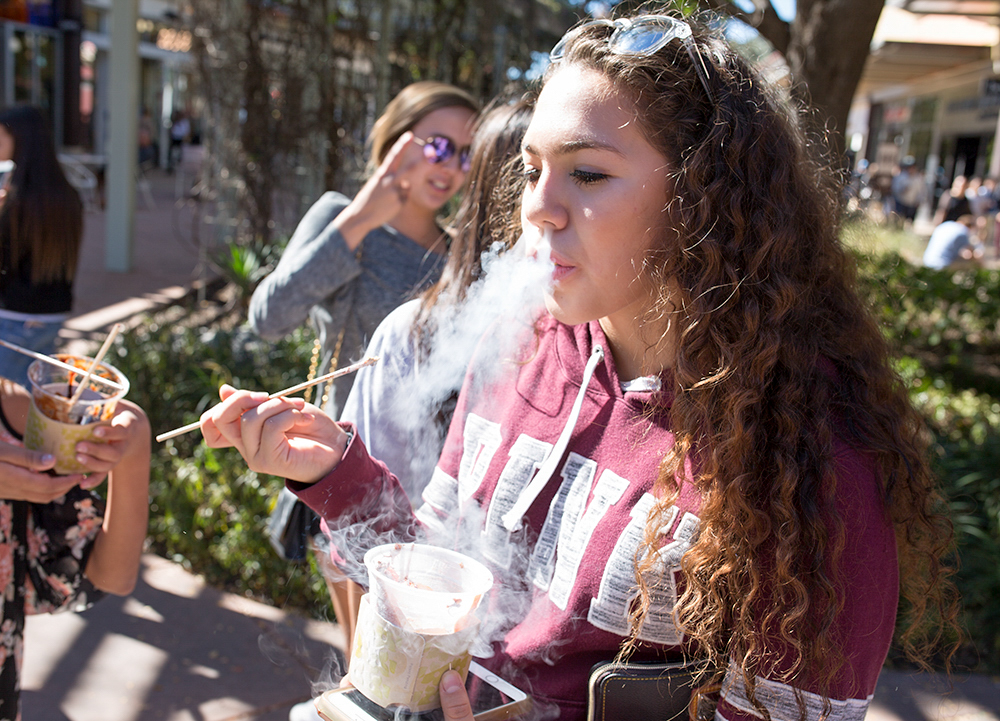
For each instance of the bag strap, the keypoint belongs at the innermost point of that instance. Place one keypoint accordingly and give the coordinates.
(334, 360)
(703, 701)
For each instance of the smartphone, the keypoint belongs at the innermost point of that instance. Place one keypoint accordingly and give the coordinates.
(492, 699)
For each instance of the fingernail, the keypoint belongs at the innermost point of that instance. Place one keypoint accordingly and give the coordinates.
(48, 458)
(101, 432)
(451, 682)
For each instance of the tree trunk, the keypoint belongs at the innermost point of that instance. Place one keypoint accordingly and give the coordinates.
(827, 49)
(255, 135)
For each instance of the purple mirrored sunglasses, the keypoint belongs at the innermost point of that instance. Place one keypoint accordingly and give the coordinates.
(440, 149)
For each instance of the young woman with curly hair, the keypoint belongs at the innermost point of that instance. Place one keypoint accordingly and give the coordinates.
(704, 450)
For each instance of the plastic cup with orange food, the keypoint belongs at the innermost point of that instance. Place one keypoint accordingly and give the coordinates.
(56, 423)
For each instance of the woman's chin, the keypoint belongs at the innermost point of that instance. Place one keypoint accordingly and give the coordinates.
(561, 313)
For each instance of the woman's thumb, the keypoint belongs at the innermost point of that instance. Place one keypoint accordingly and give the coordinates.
(454, 700)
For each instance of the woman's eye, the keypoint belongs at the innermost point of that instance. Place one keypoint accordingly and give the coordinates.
(532, 175)
(586, 177)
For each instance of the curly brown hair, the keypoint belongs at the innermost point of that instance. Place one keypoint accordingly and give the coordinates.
(776, 357)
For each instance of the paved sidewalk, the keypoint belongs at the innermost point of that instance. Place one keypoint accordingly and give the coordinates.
(167, 260)
(175, 650)
(178, 650)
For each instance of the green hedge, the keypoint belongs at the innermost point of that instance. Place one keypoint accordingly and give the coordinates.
(207, 511)
(946, 325)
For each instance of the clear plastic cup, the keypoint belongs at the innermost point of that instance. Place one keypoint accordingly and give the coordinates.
(425, 589)
(416, 622)
(392, 666)
(55, 426)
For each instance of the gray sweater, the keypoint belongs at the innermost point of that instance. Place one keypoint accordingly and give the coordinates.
(320, 278)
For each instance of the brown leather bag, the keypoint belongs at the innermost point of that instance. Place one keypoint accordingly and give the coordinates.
(661, 691)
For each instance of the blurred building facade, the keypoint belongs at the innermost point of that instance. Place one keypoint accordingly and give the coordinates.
(931, 89)
(56, 54)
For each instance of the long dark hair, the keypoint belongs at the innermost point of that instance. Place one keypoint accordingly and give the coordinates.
(41, 221)
(777, 355)
(489, 211)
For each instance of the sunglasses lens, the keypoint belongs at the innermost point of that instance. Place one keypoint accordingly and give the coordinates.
(439, 149)
(646, 36)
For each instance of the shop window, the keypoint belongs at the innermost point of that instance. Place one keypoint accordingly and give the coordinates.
(34, 56)
(93, 19)
(88, 85)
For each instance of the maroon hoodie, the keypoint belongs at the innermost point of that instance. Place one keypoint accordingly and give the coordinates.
(565, 567)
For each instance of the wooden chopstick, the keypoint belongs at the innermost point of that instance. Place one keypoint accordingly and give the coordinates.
(59, 364)
(85, 381)
(280, 394)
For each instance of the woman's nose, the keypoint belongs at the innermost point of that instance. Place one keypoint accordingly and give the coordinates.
(542, 204)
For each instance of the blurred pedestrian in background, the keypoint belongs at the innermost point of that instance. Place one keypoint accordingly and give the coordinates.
(180, 130)
(953, 242)
(954, 203)
(908, 191)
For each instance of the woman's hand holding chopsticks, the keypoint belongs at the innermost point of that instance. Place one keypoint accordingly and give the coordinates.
(283, 436)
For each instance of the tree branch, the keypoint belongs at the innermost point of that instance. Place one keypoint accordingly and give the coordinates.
(763, 19)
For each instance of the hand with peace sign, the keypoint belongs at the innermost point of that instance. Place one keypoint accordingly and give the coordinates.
(423, 169)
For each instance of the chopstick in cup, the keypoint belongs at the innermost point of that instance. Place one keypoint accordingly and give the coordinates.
(280, 394)
(82, 385)
(58, 363)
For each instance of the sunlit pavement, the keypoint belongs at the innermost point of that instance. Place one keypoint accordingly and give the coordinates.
(175, 650)
(178, 650)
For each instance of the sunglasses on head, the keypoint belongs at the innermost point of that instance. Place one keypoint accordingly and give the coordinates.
(440, 149)
(643, 35)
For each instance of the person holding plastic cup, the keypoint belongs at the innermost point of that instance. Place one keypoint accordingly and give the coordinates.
(61, 545)
(64, 408)
(703, 446)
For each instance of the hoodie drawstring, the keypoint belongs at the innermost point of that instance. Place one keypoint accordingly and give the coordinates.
(512, 519)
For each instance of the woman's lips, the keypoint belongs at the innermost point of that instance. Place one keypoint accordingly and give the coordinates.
(561, 271)
(562, 267)
(440, 186)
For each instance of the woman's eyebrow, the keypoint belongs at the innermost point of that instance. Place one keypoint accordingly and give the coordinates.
(573, 146)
